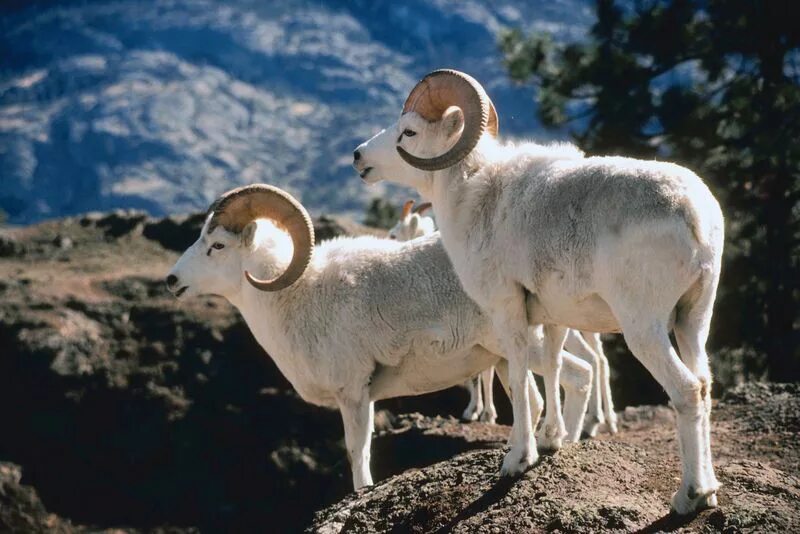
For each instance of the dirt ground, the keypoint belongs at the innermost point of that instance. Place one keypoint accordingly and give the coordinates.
(611, 484)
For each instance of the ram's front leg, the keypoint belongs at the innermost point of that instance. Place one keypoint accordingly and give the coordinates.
(358, 418)
(511, 329)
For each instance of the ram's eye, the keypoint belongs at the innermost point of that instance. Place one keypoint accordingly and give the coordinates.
(407, 133)
(215, 246)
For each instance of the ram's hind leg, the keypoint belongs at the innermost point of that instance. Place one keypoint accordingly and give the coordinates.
(578, 345)
(553, 430)
(604, 380)
(692, 325)
(649, 341)
(475, 406)
(489, 412)
(576, 379)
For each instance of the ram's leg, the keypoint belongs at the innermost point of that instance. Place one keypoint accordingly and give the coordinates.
(576, 379)
(578, 346)
(553, 430)
(594, 341)
(537, 402)
(502, 374)
(650, 343)
(358, 419)
(509, 319)
(489, 412)
(475, 406)
(691, 332)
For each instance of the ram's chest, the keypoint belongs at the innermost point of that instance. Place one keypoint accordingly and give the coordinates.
(479, 270)
(309, 375)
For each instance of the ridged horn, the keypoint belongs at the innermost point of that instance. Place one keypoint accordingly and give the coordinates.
(237, 208)
(440, 90)
(422, 208)
(407, 209)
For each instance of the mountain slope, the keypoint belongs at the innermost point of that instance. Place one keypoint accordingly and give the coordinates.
(163, 105)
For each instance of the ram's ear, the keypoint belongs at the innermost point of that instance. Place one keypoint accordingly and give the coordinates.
(452, 121)
(249, 233)
(413, 223)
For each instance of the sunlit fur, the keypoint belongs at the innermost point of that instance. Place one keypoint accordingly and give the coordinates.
(541, 235)
(370, 319)
(586, 345)
(481, 394)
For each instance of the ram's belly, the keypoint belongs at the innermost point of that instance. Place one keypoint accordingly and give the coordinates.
(424, 373)
(552, 305)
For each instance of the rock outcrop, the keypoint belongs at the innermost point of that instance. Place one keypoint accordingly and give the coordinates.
(607, 485)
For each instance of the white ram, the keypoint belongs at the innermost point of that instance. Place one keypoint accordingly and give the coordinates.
(353, 320)
(541, 235)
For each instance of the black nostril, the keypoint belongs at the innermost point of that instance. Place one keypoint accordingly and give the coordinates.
(356, 155)
(172, 280)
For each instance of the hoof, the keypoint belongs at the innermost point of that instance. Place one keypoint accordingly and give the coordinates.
(469, 415)
(550, 438)
(611, 423)
(688, 501)
(591, 425)
(590, 431)
(517, 462)
(488, 417)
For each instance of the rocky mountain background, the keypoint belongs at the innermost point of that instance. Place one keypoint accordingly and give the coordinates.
(163, 105)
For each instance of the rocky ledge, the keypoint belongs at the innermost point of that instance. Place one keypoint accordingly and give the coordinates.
(612, 484)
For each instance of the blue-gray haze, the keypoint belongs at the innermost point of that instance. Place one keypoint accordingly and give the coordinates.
(163, 105)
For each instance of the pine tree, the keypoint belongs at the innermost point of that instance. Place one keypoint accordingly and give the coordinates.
(381, 214)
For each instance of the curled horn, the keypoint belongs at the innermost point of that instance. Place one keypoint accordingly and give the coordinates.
(430, 99)
(422, 208)
(237, 208)
(407, 208)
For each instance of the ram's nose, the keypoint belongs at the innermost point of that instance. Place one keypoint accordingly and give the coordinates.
(172, 281)
(356, 155)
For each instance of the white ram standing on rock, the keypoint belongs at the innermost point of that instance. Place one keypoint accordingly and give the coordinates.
(585, 345)
(541, 236)
(353, 320)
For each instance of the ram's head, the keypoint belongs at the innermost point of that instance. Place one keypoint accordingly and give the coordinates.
(257, 227)
(443, 119)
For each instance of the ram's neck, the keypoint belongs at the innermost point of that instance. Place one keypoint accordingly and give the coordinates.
(452, 199)
(279, 322)
(272, 315)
